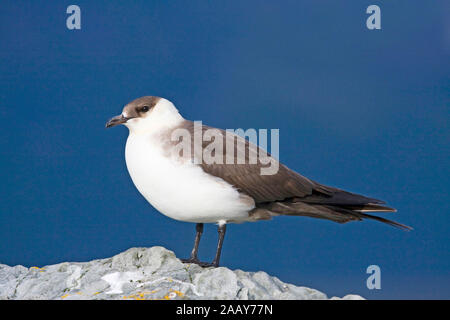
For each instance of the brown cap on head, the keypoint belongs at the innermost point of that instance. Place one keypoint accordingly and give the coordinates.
(135, 109)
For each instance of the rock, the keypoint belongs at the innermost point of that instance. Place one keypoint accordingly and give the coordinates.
(145, 273)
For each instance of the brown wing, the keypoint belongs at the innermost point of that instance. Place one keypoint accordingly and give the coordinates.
(286, 192)
(247, 177)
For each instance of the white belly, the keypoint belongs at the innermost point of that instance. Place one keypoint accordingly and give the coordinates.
(181, 191)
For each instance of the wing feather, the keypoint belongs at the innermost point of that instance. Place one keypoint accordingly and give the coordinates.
(247, 177)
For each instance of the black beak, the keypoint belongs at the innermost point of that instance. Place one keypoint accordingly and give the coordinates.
(120, 119)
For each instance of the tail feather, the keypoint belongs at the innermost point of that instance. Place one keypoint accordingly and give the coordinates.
(340, 214)
(390, 222)
(371, 207)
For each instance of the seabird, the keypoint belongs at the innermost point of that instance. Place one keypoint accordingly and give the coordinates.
(181, 187)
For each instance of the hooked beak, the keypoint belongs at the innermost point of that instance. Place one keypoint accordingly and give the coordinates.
(120, 119)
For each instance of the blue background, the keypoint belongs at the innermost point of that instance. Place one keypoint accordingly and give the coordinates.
(362, 110)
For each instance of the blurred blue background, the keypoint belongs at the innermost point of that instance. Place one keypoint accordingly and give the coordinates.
(366, 111)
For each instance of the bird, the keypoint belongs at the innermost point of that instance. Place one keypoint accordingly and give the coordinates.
(184, 187)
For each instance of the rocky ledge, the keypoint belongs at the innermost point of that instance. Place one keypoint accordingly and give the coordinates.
(145, 274)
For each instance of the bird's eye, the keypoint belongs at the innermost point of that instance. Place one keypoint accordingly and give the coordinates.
(144, 109)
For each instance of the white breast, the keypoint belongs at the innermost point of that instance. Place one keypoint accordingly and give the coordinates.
(181, 190)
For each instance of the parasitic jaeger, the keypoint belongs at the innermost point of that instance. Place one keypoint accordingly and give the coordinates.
(183, 188)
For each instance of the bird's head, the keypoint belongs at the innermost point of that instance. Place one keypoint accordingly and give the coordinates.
(146, 113)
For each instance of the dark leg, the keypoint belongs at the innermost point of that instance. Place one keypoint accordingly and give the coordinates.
(194, 253)
(221, 231)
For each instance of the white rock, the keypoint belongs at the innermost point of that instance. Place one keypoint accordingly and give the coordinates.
(145, 273)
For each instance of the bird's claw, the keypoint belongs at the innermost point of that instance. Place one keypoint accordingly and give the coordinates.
(200, 263)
